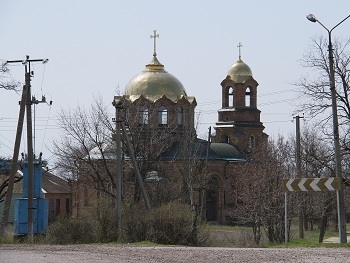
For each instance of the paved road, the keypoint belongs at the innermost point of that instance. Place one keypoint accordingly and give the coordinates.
(122, 254)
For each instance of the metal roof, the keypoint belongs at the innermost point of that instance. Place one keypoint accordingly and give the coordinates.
(50, 183)
(198, 150)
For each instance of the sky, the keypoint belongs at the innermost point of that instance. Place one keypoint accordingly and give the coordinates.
(96, 47)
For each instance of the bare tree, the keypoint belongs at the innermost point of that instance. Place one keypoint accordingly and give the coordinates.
(317, 162)
(4, 179)
(195, 176)
(151, 137)
(6, 82)
(316, 90)
(261, 198)
(85, 147)
(86, 150)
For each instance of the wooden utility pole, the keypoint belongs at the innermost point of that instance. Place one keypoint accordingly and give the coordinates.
(28, 104)
(137, 170)
(30, 156)
(119, 131)
(14, 164)
(118, 190)
(298, 165)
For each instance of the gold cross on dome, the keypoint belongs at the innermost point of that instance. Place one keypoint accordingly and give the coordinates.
(239, 49)
(155, 35)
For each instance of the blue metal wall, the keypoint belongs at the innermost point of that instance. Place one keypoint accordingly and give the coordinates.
(40, 205)
(40, 216)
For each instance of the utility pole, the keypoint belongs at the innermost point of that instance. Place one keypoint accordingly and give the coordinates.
(118, 191)
(119, 131)
(137, 170)
(30, 155)
(337, 155)
(13, 171)
(28, 104)
(298, 164)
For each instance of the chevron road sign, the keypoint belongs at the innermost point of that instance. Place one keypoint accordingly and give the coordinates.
(312, 184)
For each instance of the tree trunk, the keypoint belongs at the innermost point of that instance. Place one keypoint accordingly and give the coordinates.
(323, 227)
(194, 231)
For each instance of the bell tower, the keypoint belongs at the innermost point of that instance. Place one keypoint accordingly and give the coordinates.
(239, 118)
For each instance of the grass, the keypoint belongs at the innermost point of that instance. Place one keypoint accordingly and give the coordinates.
(234, 236)
(231, 236)
(311, 239)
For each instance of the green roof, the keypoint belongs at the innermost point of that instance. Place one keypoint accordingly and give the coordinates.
(198, 150)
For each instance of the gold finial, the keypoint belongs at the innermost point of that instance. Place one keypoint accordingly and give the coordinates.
(155, 35)
(239, 49)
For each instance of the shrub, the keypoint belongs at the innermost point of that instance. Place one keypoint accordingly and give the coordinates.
(69, 231)
(171, 224)
(99, 226)
(135, 223)
(103, 221)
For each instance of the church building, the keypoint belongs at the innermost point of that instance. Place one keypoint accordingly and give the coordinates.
(157, 99)
(160, 120)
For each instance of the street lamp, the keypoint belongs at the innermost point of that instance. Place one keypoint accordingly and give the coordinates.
(338, 172)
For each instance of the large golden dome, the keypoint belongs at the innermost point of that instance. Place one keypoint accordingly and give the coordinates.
(240, 72)
(154, 82)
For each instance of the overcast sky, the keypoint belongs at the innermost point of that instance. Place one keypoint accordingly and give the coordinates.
(94, 47)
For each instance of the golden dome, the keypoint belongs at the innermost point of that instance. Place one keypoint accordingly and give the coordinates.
(240, 72)
(154, 82)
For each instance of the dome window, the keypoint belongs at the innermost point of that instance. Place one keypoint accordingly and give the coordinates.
(162, 115)
(180, 115)
(143, 115)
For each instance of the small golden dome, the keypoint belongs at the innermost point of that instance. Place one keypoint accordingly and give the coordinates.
(154, 82)
(240, 72)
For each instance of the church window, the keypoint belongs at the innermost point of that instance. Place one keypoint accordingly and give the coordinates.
(143, 115)
(162, 115)
(248, 97)
(251, 143)
(213, 183)
(127, 115)
(180, 115)
(230, 97)
(227, 139)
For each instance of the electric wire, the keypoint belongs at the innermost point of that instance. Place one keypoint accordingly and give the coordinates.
(47, 121)
(52, 122)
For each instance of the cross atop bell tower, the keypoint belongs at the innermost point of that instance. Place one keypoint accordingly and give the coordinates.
(239, 117)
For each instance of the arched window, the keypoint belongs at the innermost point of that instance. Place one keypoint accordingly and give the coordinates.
(180, 115)
(212, 199)
(248, 97)
(251, 143)
(162, 115)
(227, 139)
(143, 115)
(230, 97)
(213, 183)
(127, 114)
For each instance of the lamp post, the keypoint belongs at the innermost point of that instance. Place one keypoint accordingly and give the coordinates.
(338, 171)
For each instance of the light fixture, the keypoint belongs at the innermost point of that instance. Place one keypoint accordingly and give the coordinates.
(311, 17)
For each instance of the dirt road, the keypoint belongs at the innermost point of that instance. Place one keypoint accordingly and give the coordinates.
(121, 254)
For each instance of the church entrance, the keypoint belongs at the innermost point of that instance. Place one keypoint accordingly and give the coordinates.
(212, 200)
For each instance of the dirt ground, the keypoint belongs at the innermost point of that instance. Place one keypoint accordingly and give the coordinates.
(121, 254)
